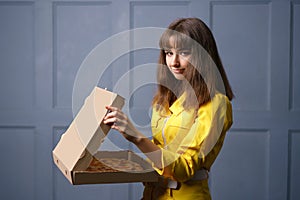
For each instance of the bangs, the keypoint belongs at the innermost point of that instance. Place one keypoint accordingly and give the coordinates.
(173, 39)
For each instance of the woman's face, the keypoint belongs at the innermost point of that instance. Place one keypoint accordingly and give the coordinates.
(177, 60)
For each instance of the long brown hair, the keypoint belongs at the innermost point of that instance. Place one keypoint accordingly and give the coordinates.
(202, 79)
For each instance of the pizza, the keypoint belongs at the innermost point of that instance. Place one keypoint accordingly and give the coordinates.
(96, 165)
(114, 165)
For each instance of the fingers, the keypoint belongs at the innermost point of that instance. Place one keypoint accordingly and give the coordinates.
(111, 108)
(115, 118)
(112, 112)
(110, 121)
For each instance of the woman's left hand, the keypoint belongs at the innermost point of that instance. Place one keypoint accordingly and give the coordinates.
(121, 123)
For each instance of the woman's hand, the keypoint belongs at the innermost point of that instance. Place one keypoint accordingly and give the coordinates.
(120, 122)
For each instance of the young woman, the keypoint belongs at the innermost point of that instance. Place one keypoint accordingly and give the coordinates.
(191, 113)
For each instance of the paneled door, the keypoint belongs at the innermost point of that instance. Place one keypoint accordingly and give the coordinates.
(44, 44)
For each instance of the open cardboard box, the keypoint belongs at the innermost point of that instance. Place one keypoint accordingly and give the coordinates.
(80, 144)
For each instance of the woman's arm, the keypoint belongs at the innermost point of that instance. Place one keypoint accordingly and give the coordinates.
(121, 123)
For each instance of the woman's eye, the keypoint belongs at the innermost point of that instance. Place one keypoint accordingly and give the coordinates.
(168, 53)
(184, 53)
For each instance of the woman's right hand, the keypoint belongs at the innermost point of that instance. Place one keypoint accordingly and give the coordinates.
(120, 122)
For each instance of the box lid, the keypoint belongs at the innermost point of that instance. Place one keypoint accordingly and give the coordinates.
(86, 132)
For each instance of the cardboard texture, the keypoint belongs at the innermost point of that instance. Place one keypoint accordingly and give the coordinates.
(77, 146)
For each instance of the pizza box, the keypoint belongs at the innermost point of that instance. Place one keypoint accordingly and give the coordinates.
(80, 144)
(147, 174)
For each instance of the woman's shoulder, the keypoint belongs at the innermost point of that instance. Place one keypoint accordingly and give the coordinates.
(219, 108)
(217, 102)
(220, 99)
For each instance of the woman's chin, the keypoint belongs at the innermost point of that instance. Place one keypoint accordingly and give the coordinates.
(179, 76)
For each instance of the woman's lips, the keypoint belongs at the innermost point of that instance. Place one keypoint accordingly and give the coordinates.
(177, 71)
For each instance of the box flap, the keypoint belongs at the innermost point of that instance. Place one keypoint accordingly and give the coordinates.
(86, 132)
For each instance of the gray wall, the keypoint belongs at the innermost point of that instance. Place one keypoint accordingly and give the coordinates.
(43, 43)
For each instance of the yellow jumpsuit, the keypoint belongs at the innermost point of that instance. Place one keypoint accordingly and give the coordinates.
(190, 140)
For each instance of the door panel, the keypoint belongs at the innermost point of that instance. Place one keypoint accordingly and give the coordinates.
(17, 55)
(244, 51)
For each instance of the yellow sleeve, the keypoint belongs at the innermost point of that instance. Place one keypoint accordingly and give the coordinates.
(181, 162)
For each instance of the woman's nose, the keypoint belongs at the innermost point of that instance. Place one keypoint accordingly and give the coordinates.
(175, 60)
